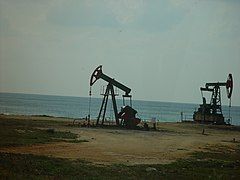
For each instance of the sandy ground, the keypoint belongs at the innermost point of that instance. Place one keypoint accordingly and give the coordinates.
(106, 146)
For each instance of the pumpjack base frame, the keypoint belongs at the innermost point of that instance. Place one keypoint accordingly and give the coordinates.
(109, 91)
(208, 118)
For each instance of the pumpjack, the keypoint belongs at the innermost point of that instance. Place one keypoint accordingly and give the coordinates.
(127, 113)
(211, 113)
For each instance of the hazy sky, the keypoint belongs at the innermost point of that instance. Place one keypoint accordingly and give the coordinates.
(162, 50)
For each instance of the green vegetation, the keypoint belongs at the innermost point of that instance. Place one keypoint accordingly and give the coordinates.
(213, 164)
(41, 167)
(20, 132)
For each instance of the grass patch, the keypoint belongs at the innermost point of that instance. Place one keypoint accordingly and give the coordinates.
(22, 166)
(217, 164)
(75, 140)
(26, 132)
(200, 166)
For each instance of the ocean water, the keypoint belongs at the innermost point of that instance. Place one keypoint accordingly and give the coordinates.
(78, 107)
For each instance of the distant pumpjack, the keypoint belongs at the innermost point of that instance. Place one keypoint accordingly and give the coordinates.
(127, 114)
(211, 113)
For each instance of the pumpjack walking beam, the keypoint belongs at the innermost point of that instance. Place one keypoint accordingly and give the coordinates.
(98, 74)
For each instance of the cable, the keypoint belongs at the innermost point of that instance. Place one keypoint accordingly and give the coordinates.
(89, 103)
(229, 109)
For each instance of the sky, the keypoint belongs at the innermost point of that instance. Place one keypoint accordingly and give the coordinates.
(164, 50)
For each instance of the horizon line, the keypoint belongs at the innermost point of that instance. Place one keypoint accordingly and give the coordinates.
(100, 98)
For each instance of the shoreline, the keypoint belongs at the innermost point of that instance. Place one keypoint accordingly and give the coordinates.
(43, 116)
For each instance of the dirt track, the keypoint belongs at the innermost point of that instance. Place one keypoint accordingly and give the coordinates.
(107, 146)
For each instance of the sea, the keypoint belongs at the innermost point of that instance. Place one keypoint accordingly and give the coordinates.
(80, 107)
